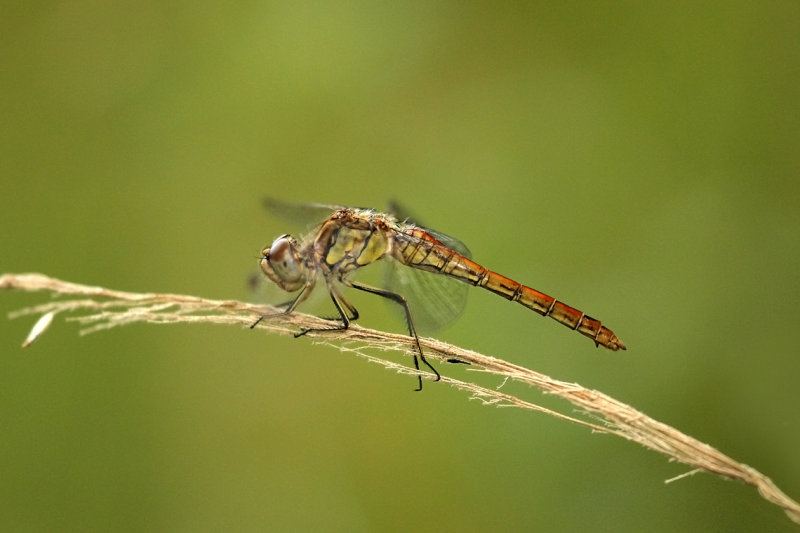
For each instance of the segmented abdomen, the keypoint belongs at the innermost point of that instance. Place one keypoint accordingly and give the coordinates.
(417, 248)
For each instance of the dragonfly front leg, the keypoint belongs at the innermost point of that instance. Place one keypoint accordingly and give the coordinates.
(398, 298)
(292, 305)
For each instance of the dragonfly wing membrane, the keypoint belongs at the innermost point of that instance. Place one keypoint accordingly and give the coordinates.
(435, 300)
(303, 215)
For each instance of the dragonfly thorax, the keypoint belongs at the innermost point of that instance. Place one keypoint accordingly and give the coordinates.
(283, 264)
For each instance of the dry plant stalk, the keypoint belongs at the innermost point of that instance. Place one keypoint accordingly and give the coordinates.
(105, 308)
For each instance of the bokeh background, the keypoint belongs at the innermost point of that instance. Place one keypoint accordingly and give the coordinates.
(638, 162)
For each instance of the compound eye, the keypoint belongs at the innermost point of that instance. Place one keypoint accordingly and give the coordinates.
(280, 251)
(282, 263)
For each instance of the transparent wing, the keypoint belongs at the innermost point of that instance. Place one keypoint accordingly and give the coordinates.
(402, 214)
(303, 215)
(435, 299)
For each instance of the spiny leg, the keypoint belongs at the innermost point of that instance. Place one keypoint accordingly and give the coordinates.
(393, 296)
(343, 302)
(339, 302)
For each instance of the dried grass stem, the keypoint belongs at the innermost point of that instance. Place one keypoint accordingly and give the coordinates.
(99, 308)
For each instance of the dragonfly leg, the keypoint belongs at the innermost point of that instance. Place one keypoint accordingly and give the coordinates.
(340, 301)
(290, 306)
(393, 296)
(341, 304)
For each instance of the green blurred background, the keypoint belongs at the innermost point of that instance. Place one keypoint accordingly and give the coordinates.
(639, 162)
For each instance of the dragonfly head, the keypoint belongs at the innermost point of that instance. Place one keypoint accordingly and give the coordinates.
(282, 263)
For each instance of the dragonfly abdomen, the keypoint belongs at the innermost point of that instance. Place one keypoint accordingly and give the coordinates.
(427, 253)
(548, 306)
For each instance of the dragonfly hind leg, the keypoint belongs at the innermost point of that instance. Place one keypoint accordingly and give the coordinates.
(393, 296)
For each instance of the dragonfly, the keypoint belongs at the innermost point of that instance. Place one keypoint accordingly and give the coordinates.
(352, 238)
